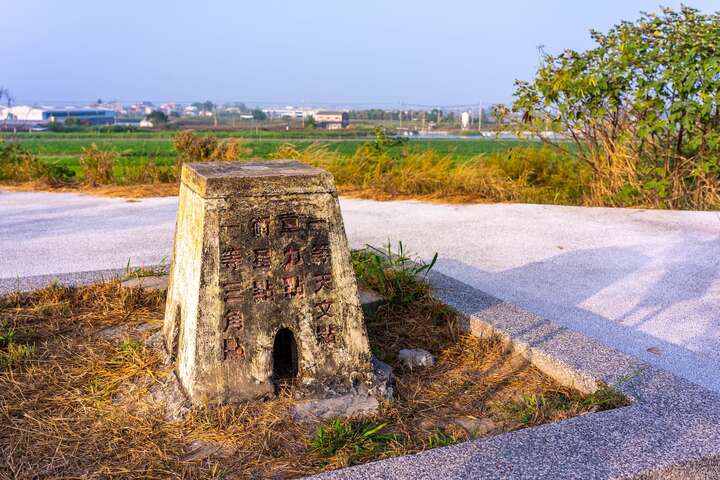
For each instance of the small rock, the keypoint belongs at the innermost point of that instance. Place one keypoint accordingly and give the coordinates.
(384, 382)
(518, 362)
(427, 424)
(348, 405)
(170, 392)
(200, 450)
(113, 333)
(369, 300)
(156, 342)
(416, 357)
(148, 283)
(147, 327)
(476, 426)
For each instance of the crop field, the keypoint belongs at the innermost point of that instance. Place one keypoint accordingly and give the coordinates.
(66, 151)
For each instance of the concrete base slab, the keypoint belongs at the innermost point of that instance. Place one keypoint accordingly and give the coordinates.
(672, 430)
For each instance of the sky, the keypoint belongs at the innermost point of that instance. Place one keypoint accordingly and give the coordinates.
(370, 52)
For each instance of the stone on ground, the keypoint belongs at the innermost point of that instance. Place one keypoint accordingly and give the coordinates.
(150, 282)
(416, 357)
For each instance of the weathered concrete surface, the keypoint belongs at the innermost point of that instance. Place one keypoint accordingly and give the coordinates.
(261, 285)
(672, 431)
(645, 282)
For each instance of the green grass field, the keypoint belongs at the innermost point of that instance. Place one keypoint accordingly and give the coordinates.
(64, 150)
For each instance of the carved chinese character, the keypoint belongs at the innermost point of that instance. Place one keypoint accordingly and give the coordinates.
(261, 258)
(290, 223)
(260, 227)
(292, 258)
(293, 286)
(231, 259)
(322, 281)
(320, 254)
(322, 309)
(316, 223)
(233, 320)
(262, 290)
(232, 348)
(325, 334)
(232, 291)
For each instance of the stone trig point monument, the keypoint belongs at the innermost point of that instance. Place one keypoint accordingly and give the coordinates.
(261, 288)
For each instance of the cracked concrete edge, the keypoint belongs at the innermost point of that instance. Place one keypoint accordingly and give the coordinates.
(672, 430)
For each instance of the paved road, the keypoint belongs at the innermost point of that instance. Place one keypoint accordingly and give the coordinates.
(645, 282)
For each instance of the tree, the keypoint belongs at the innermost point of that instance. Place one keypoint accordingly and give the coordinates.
(259, 114)
(310, 122)
(157, 118)
(642, 109)
(500, 113)
(4, 92)
(206, 106)
(384, 142)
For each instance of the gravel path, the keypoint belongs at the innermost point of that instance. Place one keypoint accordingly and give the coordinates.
(645, 282)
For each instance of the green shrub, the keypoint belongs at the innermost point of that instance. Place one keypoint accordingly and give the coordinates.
(641, 108)
(19, 165)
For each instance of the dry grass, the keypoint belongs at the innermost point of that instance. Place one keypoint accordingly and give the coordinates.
(97, 165)
(518, 175)
(79, 404)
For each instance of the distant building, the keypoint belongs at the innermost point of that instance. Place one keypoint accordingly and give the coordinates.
(288, 112)
(332, 120)
(128, 122)
(465, 120)
(23, 114)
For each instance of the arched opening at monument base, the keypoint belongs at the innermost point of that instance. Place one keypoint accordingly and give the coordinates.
(285, 357)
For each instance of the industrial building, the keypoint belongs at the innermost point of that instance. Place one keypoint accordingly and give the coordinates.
(26, 114)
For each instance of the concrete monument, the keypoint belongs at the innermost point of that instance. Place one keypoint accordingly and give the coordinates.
(261, 289)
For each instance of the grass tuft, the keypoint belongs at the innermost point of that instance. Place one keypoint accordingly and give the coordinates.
(439, 439)
(347, 442)
(142, 271)
(550, 406)
(394, 274)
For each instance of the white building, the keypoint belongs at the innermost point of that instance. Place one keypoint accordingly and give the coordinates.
(332, 120)
(44, 114)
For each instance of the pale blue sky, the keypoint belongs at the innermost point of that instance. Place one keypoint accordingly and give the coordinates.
(370, 51)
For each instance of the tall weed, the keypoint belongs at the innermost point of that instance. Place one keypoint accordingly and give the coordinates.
(97, 165)
(521, 174)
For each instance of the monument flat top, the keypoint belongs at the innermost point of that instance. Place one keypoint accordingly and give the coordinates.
(249, 179)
